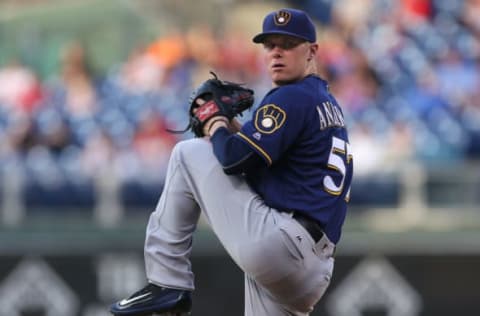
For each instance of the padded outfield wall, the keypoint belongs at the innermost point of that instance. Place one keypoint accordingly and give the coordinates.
(78, 271)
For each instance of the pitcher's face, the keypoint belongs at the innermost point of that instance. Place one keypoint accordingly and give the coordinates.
(287, 58)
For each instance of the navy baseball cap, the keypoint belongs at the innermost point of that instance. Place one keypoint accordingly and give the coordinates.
(288, 22)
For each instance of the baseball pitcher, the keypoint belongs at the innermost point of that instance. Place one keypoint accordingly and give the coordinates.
(274, 191)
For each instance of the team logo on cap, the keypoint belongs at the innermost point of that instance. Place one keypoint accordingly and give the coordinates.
(282, 17)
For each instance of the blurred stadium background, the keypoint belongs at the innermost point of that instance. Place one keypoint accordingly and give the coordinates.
(88, 87)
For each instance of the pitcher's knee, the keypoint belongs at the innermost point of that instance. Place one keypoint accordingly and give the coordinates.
(189, 145)
(195, 148)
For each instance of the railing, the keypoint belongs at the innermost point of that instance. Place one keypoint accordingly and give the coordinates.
(413, 196)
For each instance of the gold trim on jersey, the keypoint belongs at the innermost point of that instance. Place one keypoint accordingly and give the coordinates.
(263, 152)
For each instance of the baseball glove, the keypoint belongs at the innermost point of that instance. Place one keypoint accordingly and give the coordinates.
(222, 98)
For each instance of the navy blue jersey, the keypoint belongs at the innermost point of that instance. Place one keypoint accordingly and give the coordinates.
(299, 130)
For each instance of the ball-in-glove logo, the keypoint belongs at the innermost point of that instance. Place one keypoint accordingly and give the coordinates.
(282, 17)
(269, 118)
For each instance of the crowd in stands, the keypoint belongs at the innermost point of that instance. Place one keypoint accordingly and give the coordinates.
(406, 73)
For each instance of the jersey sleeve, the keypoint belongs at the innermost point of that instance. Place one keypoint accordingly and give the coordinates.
(276, 124)
(234, 155)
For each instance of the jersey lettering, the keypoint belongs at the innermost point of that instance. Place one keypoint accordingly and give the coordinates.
(338, 159)
(330, 116)
(299, 131)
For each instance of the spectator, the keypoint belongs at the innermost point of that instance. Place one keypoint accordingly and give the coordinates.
(458, 79)
(152, 143)
(354, 81)
(98, 153)
(77, 82)
(21, 133)
(470, 14)
(141, 72)
(350, 16)
(20, 89)
(238, 60)
(416, 11)
(200, 51)
(368, 150)
(399, 141)
(56, 136)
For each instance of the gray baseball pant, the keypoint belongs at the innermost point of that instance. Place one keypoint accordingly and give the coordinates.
(286, 273)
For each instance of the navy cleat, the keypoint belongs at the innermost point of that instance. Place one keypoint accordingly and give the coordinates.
(154, 300)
